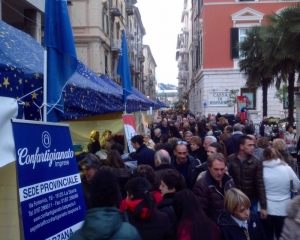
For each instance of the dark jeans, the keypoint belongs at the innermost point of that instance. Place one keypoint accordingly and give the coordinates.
(273, 224)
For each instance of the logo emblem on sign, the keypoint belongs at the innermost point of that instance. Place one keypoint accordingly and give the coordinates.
(46, 139)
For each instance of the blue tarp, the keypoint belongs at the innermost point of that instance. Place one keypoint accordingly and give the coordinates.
(85, 94)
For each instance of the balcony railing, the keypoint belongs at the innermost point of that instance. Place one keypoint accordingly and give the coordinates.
(183, 50)
(129, 8)
(185, 12)
(129, 34)
(183, 74)
(115, 9)
(115, 45)
(185, 30)
(141, 56)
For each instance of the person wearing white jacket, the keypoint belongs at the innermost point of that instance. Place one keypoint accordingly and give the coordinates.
(276, 174)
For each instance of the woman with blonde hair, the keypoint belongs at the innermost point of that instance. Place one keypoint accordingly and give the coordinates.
(280, 146)
(94, 144)
(276, 174)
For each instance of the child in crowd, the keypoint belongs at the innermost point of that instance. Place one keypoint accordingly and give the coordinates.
(238, 222)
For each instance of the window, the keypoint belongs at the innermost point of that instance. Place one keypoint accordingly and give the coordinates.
(237, 35)
(105, 21)
(250, 93)
(106, 62)
(118, 32)
(285, 98)
(243, 33)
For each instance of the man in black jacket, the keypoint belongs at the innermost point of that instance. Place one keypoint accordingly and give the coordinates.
(183, 162)
(247, 173)
(231, 143)
(210, 189)
(144, 155)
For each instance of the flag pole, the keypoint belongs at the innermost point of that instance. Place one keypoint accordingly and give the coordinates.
(45, 87)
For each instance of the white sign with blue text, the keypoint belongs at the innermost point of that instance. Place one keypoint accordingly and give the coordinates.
(50, 191)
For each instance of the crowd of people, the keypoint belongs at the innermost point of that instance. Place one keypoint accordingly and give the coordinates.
(192, 177)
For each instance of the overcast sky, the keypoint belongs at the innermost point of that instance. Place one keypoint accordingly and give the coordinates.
(162, 22)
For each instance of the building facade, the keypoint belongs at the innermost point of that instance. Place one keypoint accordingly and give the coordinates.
(25, 15)
(216, 28)
(97, 27)
(183, 55)
(149, 80)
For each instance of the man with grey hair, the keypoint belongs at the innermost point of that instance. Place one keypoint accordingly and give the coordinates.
(162, 161)
(207, 141)
(157, 135)
(231, 143)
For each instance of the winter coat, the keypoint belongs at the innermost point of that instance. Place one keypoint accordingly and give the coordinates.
(200, 154)
(105, 223)
(94, 147)
(248, 177)
(159, 170)
(123, 175)
(145, 155)
(86, 191)
(278, 188)
(211, 196)
(291, 227)
(156, 227)
(166, 206)
(230, 230)
(262, 128)
(193, 163)
(232, 145)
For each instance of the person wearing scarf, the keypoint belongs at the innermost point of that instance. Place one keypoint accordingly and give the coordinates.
(141, 211)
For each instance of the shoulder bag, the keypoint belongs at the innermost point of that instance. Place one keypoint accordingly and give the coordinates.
(294, 192)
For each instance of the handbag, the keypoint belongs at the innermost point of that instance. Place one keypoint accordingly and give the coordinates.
(293, 191)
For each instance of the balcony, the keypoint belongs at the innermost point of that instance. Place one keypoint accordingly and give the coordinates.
(141, 56)
(183, 67)
(183, 74)
(183, 50)
(129, 34)
(185, 30)
(115, 10)
(184, 59)
(129, 8)
(185, 12)
(195, 38)
(115, 45)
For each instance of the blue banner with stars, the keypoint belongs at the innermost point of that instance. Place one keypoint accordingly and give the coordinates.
(86, 94)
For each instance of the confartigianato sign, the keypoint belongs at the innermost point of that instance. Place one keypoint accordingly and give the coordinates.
(50, 190)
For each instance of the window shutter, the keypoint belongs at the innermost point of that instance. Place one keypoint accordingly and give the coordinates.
(234, 40)
(103, 23)
(107, 24)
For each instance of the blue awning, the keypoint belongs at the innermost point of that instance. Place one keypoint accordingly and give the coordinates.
(85, 94)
